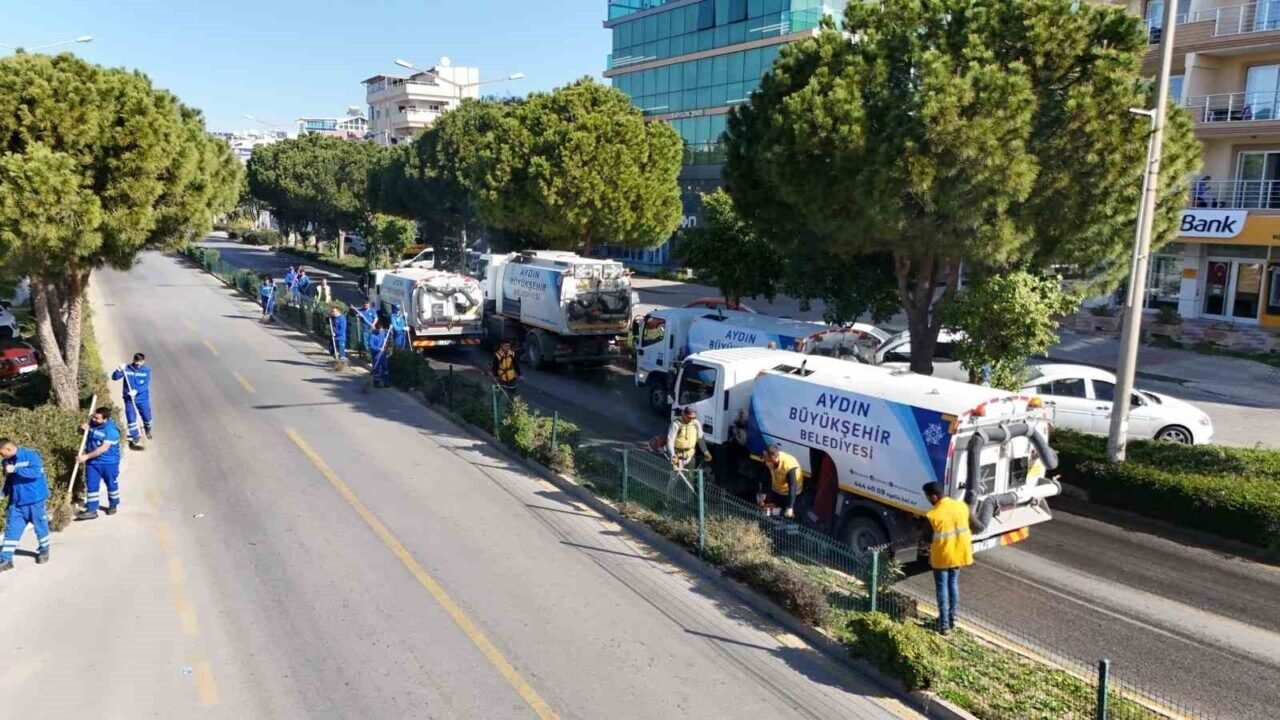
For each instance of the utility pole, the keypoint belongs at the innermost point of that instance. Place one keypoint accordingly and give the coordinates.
(1131, 330)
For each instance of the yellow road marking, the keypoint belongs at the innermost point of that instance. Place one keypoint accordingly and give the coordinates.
(181, 604)
(212, 349)
(433, 588)
(189, 324)
(164, 536)
(244, 382)
(206, 690)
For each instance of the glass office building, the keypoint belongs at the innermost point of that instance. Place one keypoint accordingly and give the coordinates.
(688, 63)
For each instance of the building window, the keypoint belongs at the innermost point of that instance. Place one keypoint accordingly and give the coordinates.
(1175, 89)
(706, 14)
(1164, 283)
(1273, 289)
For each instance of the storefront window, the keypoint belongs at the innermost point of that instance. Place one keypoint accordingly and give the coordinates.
(1164, 284)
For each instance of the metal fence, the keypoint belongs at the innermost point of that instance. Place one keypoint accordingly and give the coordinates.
(853, 581)
(850, 581)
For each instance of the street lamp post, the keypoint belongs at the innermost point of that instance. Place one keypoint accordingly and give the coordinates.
(77, 39)
(1131, 330)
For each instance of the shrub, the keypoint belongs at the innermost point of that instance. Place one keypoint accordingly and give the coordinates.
(1230, 492)
(238, 228)
(1168, 316)
(264, 236)
(55, 433)
(529, 434)
(907, 651)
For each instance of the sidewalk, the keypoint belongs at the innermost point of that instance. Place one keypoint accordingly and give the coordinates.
(1229, 377)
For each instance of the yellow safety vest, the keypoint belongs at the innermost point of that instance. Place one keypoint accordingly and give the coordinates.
(778, 473)
(952, 545)
(687, 435)
(506, 366)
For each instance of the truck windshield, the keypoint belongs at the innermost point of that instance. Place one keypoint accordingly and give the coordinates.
(697, 383)
(655, 329)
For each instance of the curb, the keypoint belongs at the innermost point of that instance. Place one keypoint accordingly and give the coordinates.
(1157, 377)
(929, 704)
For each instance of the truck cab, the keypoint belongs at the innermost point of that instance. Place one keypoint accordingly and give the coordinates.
(869, 438)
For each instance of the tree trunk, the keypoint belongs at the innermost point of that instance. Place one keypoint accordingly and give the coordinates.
(586, 245)
(917, 282)
(62, 358)
(342, 243)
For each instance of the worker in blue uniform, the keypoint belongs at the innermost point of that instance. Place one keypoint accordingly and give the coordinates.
(301, 286)
(380, 348)
(368, 319)
(290, 279)
(137, 397)
(399, 328)
(338, 335)
(267, 298)
(26, 490)
(101, 458)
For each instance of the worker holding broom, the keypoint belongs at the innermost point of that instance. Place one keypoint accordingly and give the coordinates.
(380, 349)
(267, 298)
(137, 397)
(101, 458)
(338, 337)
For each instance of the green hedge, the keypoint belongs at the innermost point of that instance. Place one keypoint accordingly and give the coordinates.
(261, 237)
(1230, 492)
(55, 433)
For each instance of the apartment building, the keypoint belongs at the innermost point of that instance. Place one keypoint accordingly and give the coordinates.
(402, 105)
(688, 63)
(352, 126)
(1225, 264)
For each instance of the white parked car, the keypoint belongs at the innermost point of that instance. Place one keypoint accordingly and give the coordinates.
(8, 323)
(895, 353)
(1080, 397)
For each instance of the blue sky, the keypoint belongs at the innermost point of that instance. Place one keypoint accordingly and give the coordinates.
(282, 59)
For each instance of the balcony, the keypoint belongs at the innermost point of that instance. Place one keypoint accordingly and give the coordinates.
(1235, 194)
(1222, 28)
(1235, 114)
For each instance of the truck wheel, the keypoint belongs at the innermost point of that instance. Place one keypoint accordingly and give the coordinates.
(657, 388)
(864, 534)
(533, 351)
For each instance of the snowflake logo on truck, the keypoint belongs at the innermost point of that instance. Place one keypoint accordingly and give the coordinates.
(934, 434)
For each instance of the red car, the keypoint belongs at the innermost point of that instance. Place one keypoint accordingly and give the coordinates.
(17, 360)
(717, 303)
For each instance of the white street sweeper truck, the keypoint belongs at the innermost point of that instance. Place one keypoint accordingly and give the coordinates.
(869, 438)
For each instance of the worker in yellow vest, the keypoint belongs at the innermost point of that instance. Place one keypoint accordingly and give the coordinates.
(685, 438)
(786, 479)
(506, 367)
(950, 550)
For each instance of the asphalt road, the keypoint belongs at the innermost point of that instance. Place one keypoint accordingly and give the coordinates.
(293, 547)
(1192, 627)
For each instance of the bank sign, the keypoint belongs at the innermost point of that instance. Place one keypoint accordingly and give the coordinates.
(1212, 223)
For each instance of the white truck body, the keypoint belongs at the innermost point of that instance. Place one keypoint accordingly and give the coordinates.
(667, 336)
(441, 308)
(869, 438)
(557, 305)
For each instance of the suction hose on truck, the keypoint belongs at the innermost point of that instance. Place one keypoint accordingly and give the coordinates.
(982, 511)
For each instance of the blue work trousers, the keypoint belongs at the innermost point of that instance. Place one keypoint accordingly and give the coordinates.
(142, 404)
(94, 477)
(19, 516)
(947, 584)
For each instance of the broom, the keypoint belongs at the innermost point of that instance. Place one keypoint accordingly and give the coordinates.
(373, 371)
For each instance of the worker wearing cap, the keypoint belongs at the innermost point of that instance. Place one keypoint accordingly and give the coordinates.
(137, 397)
(368, 316)
(786, 479)
(950, 550)
(337, 335)
(399, 328)
(684, 438)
